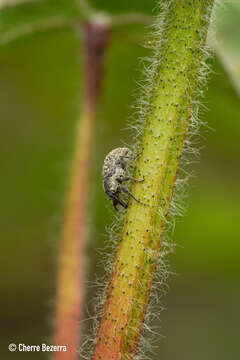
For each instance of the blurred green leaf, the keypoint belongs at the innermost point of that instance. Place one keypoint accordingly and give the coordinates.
(145, 6)
(27, 17)
(8, 3)
(23, 17)
(226, 44)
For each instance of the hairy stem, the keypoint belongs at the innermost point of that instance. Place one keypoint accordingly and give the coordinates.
(176, 72)
(71, 262)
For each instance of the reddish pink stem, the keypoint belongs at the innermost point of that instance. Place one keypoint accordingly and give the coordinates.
(71, 259)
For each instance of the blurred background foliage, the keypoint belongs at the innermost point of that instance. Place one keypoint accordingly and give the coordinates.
(40, 97)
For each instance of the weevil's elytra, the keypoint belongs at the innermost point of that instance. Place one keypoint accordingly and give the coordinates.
(114, 174)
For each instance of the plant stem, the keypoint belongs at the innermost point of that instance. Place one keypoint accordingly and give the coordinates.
(130, 19)
(71, 262)
(176, 73)
(85, 8)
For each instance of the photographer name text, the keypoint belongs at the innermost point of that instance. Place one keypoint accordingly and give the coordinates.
(33, 348)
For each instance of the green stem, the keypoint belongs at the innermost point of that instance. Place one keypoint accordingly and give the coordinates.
(130, 19)
(86, 8)
(176, 71)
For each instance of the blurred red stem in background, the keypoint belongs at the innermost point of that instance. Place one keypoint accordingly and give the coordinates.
(70, 290)
(95, 42)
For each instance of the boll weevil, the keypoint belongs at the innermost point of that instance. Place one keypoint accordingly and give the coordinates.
(114, 174)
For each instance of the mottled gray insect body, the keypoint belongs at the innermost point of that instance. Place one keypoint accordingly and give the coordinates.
(114, 173)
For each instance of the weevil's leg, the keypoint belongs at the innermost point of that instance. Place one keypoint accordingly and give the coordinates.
(131, 165)
(136, 156)
(132, 178)
(133, 158)
(116, 201)
(126, 161)
(128, 192)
